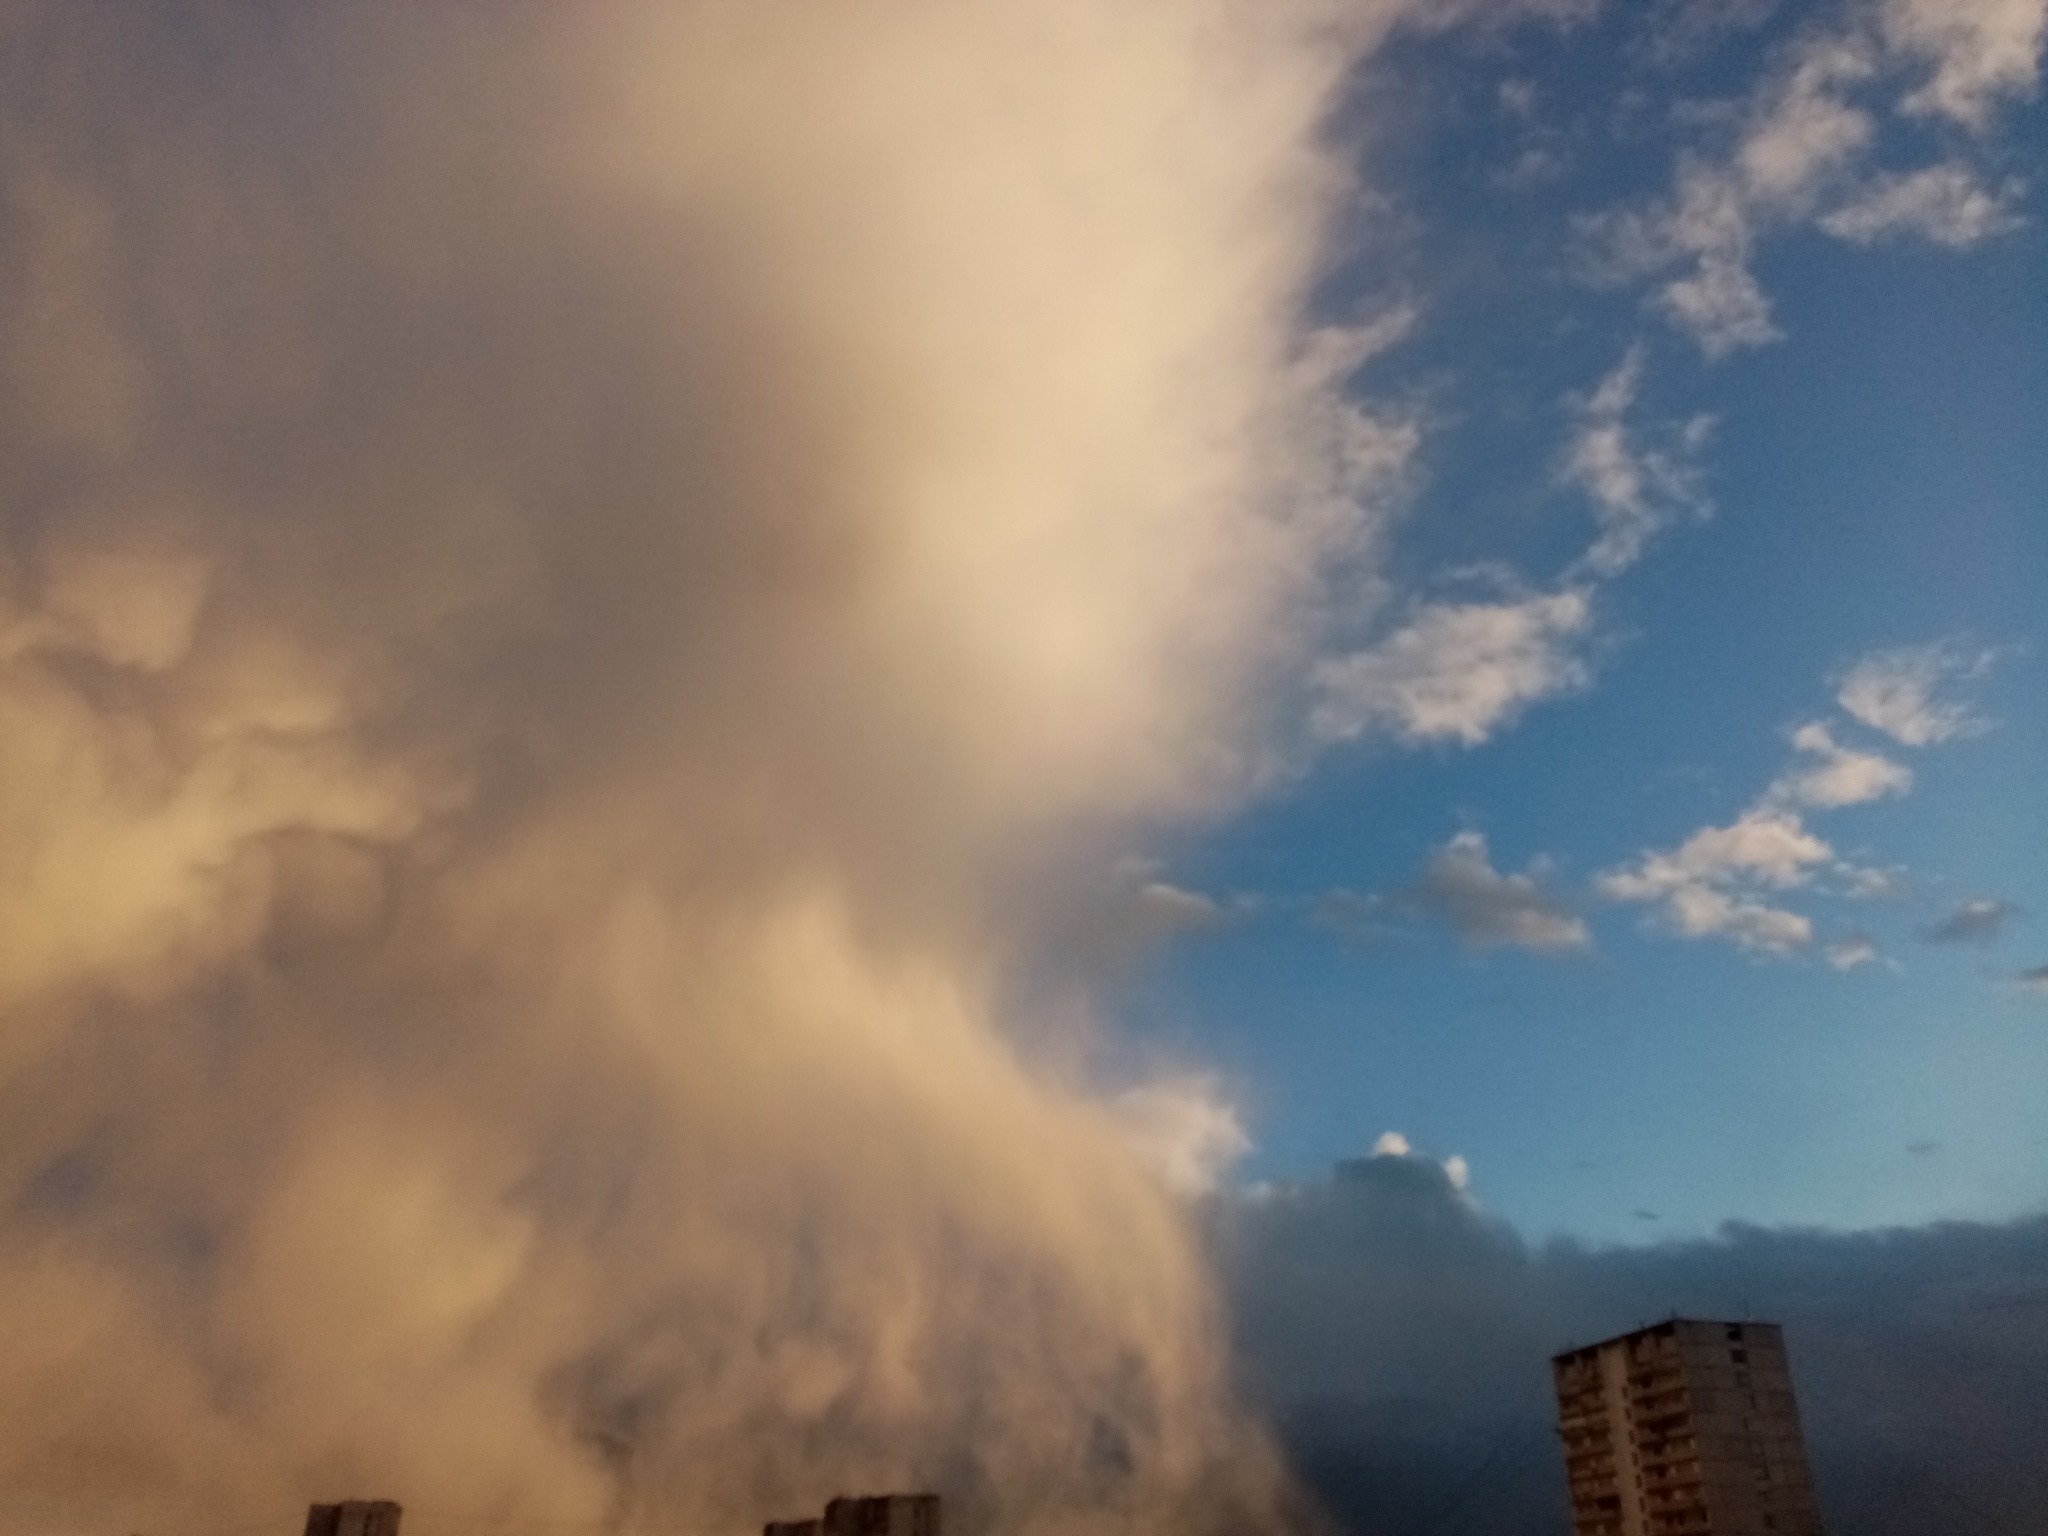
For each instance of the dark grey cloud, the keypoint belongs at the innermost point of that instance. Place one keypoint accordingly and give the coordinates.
(1400, 1337)
(1972, 922)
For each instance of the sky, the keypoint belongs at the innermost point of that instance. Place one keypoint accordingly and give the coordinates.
(1719, 331)
(1090, 756)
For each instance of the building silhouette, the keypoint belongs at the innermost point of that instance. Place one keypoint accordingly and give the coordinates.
(887, 1514)
(1687, 1428)
(354, 1517)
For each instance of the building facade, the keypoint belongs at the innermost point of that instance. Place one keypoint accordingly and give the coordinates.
(1686, 1428)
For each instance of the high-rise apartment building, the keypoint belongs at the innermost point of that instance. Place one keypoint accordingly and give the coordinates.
(1687, 1428)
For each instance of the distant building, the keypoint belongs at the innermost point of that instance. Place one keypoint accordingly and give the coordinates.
(355, 1517)
(1687, 1428)
(888, 1514)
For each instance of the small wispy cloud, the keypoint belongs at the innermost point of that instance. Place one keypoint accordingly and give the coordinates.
(1704, 911)
(1723, 881)
(1771, 846)
(1972, 922)
(1801, 131)
(1636, 489)
(1456, 672)
(1861, 882)
(1361, 920)
(2034, 980)
(1943, 203)
(1898, 692)
(1802, 156)
(1117, 923)
(1487, 908)
(1828, 775)
(1868, 883)
(1980, 50)
(1168, 908)
(1460, 671)
(1715, 883)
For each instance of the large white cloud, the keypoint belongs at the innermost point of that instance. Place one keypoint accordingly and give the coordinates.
(577, 595)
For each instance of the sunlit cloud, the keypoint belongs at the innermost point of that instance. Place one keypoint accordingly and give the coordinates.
(1185, 1130)
(584, 601)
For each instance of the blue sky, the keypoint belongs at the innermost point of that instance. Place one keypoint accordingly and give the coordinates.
(1837, 521)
